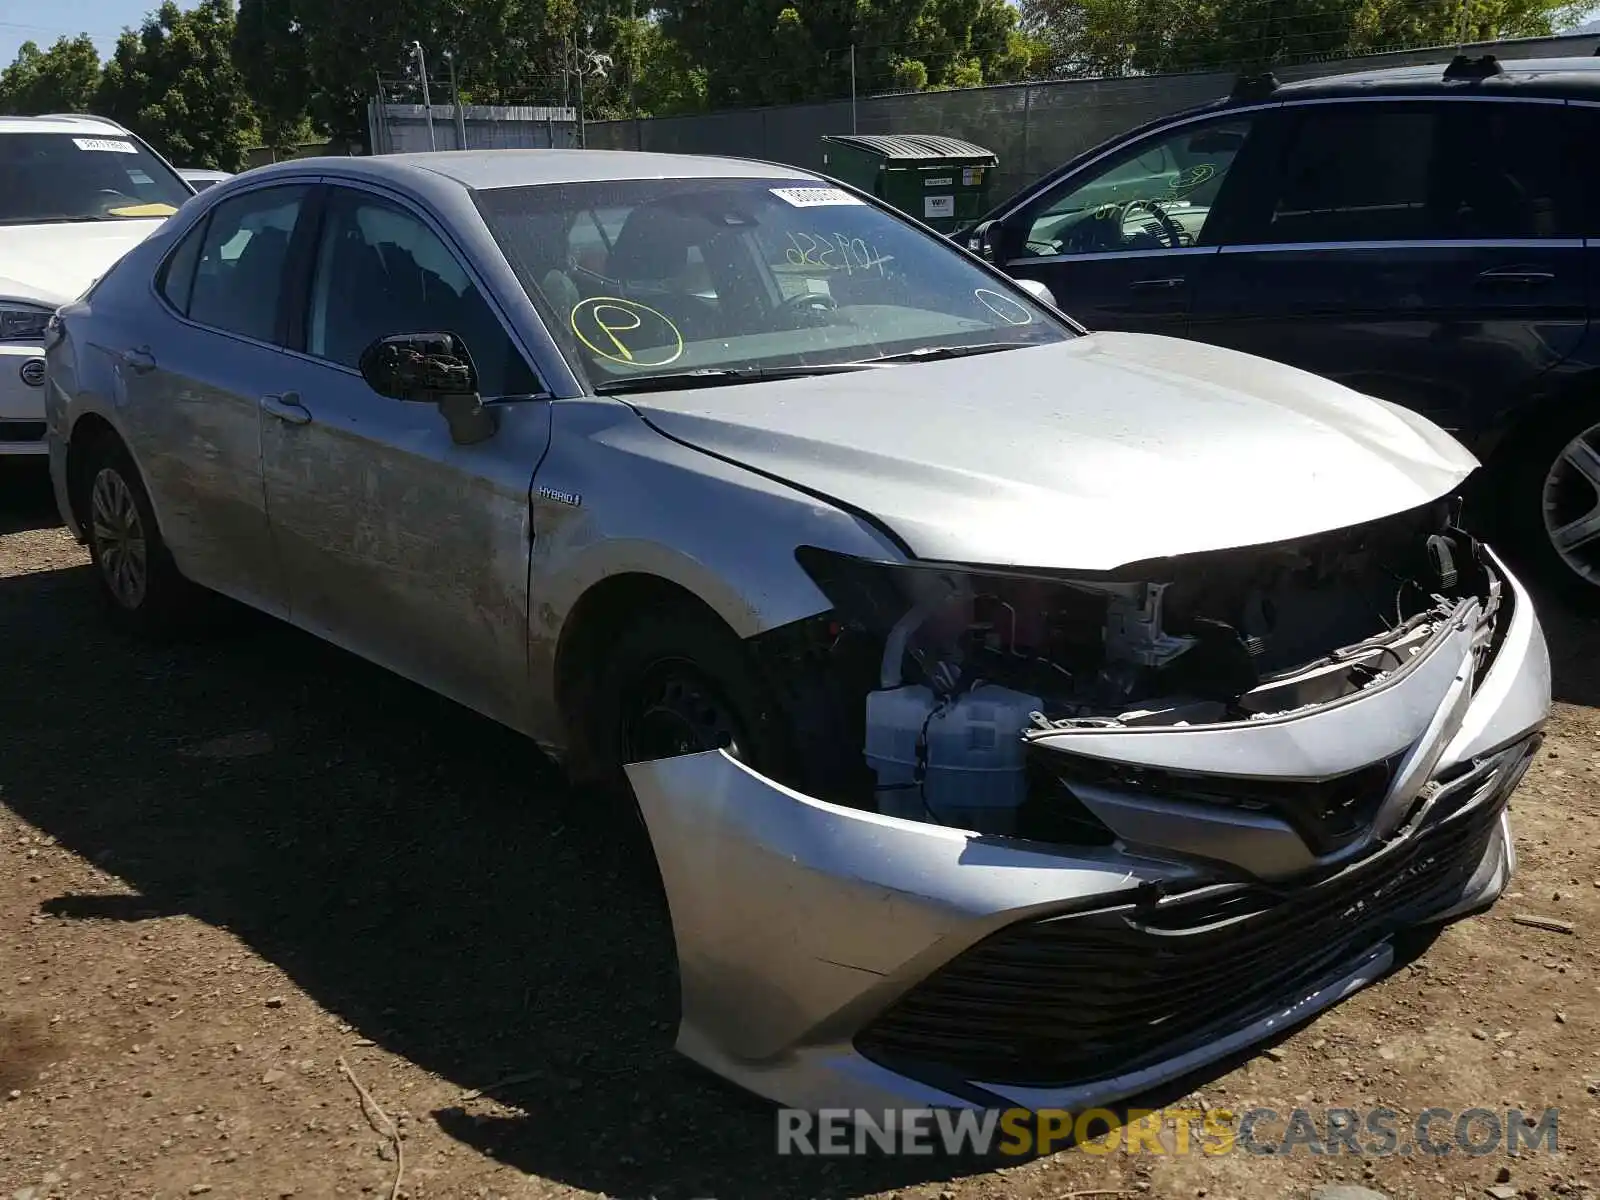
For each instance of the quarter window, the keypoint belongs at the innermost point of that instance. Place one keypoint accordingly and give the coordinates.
(238, 282)
(1159, 194)
(177, 276)
(381, 271)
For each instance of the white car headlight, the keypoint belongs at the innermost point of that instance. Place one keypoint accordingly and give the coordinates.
(23, 322)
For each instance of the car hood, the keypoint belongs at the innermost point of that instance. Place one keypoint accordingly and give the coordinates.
(55, 263)
(1088, 455)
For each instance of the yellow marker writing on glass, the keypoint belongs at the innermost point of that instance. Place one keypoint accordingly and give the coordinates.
(616, 318)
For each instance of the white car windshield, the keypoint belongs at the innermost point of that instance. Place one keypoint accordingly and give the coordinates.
(56, 177)
(746, 276)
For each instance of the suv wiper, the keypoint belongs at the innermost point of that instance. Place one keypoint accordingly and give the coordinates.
(717, 376)
(929, 353)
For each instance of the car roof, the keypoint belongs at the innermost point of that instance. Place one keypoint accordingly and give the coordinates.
(483, 170)
(60, 123)
(1540, 77)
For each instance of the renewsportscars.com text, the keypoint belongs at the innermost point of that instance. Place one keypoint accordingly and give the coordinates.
(1366, 1132)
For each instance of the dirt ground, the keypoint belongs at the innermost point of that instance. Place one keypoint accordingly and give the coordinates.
(228, 866)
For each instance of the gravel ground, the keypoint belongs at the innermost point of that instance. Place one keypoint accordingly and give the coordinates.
(229, 866)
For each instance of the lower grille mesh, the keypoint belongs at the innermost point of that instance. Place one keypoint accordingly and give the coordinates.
(21, 431)
(1075, 998)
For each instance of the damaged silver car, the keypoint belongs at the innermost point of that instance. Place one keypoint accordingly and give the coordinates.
(1019, 716)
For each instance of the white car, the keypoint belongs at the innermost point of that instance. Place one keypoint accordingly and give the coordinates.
(76, 193)
(203, 177)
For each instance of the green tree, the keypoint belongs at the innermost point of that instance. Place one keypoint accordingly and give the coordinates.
(647, 73)
(1117, 37)
(173, 81)
(269, 50)
(782, 51)
(60, 79)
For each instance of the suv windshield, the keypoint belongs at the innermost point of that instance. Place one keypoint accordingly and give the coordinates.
(49, 177)
(729, 276)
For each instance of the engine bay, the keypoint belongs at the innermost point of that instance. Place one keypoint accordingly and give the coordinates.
(934, 678)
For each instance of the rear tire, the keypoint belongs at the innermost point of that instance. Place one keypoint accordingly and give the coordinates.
(1551, 491)
(142, 587)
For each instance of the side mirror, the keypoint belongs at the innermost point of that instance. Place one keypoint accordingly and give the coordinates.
(984, 241)
(431, 368)
(1038, 291)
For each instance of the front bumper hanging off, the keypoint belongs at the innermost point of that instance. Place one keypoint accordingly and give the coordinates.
(832, 957)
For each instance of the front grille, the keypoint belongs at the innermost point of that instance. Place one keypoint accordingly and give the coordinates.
(1074, 998)
(21, 431)
(1327, 813)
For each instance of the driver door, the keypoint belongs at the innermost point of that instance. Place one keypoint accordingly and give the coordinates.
(1118, 240)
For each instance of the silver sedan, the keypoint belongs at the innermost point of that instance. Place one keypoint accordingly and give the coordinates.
(1020, 716)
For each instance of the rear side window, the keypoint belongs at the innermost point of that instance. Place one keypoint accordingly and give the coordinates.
(238, 280)
(177, 276)
(1424, 172)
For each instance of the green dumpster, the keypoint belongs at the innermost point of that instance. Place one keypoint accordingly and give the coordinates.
(941, 181)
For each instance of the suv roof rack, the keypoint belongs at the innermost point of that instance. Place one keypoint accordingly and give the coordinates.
(1462, 67)
(1254, 87)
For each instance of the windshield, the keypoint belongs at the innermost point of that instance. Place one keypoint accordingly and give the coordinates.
(647, 277)
(48, 177)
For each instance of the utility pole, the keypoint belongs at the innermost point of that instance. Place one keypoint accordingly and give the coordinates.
(582, 141)
(455, 99)
(427, 98)
(853, 87)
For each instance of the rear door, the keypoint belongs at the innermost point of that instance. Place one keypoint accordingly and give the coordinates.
(194, 377)
(1426, 251)
(1119, 240)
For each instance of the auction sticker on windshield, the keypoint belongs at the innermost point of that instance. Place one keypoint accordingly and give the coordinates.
(109, 145)
(814, 197)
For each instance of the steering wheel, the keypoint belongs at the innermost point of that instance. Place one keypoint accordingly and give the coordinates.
(812, 303)
(1105, 228)
(1177, 236)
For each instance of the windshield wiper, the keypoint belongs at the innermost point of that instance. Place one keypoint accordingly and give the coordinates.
(929, 353)
(718, 376)
(60, 220)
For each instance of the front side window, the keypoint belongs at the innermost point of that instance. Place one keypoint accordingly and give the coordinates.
(380, 271)
(54, 178)
(1159, 194)
(238, 282)
(1470, 170)
(746, 275)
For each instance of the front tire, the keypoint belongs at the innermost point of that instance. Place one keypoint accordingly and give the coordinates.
(1552, 498)
(679, 681)
(140, 584)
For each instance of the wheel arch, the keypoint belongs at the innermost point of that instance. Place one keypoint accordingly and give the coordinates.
(88, 431)
(595, 620)
(1519, 427)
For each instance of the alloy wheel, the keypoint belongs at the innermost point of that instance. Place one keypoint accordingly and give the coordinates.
(676, 710)
(119, 538)
(1571, 505)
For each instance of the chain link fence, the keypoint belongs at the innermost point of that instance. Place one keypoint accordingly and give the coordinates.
(1033, 127)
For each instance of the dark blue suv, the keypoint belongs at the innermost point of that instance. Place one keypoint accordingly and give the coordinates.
(1428, 235)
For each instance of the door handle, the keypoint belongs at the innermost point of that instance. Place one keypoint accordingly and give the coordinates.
(139, 359)
(287, 408)
(1154, 284)
(1525, 276)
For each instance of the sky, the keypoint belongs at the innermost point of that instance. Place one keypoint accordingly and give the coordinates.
(102, 20)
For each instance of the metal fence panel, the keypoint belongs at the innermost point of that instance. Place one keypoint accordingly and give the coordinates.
(403, 128)
(1033, 127)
